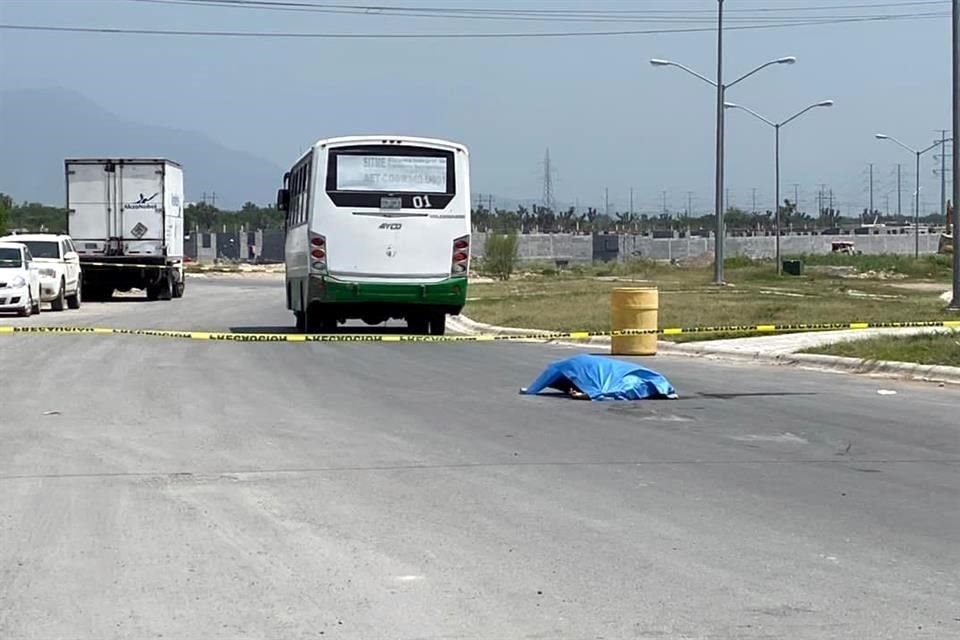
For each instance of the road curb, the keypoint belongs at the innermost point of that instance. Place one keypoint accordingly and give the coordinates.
(905, 370)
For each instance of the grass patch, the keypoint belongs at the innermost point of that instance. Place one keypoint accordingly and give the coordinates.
(579, 298)
(936, 348)
(930, 266)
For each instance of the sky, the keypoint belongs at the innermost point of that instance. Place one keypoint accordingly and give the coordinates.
(612, 121)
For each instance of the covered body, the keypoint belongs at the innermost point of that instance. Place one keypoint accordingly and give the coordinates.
(602, 378)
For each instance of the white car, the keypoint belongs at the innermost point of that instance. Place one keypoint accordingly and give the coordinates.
(19, 280)
(58, 264)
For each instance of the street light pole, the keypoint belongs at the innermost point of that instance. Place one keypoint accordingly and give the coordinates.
(916, 205)
(718, 248)
(721, 96)
(916, 214)
(955, 303)
(776, 211)
(777, 126)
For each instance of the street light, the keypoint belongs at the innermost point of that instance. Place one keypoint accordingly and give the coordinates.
(955, 302)
(721, 93)
(916, 209)
(777, 126)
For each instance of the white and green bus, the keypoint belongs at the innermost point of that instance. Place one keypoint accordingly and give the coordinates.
(377, 228)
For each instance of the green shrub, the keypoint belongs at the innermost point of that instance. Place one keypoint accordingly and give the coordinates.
(500, 255)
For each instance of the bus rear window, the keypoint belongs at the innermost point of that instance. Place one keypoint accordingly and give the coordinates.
(391, 173)
(390, 169)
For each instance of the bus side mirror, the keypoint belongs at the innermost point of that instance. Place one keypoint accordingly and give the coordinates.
(283, 199)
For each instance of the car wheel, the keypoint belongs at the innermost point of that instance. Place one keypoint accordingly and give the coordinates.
(59, 303)
(35, 309)
(74, 301)
(28, 309)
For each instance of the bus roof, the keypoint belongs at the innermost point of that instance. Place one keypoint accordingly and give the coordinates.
(389, 139)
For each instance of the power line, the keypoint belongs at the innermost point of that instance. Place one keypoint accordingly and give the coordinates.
(442, 36)
(563, 14)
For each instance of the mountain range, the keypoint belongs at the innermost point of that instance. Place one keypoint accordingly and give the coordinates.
(41, 127)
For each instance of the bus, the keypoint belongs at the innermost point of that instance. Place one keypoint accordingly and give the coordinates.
(377, 229)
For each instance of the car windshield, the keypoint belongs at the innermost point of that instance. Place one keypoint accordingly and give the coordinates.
(10, 258)
(43, 248)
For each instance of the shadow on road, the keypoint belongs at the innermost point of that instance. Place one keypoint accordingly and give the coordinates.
(349, 330)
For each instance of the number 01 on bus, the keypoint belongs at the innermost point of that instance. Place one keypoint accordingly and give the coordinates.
(377, 228)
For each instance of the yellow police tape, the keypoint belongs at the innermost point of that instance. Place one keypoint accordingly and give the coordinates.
(543, 336)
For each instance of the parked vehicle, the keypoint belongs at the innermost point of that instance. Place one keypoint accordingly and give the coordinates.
(126, 218)
(19, 280)
(58, 264)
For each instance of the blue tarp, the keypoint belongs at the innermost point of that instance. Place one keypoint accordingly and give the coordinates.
(601, 378)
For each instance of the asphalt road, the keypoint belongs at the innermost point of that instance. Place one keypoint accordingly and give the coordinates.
(158, 488)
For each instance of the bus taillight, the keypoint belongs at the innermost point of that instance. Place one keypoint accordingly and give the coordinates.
(461, 255)
(318, 253)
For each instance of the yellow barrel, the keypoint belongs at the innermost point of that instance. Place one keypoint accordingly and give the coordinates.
(634, 308)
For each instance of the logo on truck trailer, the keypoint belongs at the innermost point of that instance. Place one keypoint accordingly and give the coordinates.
(143, 202)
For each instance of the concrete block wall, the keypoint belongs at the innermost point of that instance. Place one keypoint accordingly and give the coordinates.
(545, 247)
(583, 249)
(765, 246)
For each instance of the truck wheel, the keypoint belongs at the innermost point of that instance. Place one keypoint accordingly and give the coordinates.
(74, 301)
(165, 291)
(178, 288)
(60, 303)
(438, 324)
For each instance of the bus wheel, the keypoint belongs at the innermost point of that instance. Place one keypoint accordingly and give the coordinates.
(438, 324)
(319, 321)
(301, 318)
(417, 325)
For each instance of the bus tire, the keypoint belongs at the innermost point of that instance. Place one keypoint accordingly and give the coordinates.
(438, 323)
(301, 320)
(418, 325)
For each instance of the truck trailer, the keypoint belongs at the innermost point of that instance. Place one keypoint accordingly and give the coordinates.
(125, 216)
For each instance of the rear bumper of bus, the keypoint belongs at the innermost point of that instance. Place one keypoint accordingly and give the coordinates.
(449, 294)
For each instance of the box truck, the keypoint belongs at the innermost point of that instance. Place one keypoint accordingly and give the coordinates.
(125, 216)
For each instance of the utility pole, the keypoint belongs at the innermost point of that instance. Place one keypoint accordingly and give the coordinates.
(490, 203)
(870, 212)
(666, 211)
(796, 196)
(631, 201)
(689, 204)
(831, 199)
(755, 201)
(606, 201)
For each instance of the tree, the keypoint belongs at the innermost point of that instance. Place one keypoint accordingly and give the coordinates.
(201, 215)
(6, 205)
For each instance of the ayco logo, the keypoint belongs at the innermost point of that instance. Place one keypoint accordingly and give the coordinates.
(143, 202)
(391, 226)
